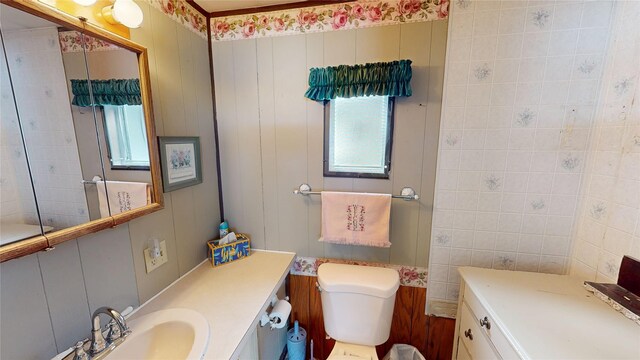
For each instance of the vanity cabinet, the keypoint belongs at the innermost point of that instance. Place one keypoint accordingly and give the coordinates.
(520, 315)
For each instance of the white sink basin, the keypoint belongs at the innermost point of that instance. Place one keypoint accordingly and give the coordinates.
(165, 334)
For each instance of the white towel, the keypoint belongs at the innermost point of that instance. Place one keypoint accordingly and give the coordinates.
(356, 218)
(123, 196)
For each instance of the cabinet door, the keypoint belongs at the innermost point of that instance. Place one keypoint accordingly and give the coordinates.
(463, 353)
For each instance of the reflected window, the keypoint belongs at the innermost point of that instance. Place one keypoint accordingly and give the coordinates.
(358, 133)
(126, 137)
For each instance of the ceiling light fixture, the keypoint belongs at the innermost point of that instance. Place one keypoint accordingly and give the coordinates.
(85, 2)
(125, 12)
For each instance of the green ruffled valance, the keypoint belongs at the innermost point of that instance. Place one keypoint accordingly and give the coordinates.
(379, 79)
(107, 92)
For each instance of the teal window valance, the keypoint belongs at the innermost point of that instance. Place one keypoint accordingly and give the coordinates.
(375, 79)
(106, 92)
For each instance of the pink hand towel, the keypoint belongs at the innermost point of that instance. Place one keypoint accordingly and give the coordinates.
(356, 218)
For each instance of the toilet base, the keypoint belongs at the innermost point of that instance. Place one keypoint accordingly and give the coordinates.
(346, 351)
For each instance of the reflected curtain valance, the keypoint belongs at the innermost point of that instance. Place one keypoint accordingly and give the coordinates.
(107, 92)
(375, 79)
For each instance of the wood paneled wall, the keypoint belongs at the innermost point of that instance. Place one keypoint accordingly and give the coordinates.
(432, 335)
(271, 137)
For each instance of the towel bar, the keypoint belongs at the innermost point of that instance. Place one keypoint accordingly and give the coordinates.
(407, 193)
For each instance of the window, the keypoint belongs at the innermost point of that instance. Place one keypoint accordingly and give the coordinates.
(126, 137)
(357, 137)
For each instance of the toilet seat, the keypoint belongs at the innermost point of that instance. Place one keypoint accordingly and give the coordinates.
(346, 351)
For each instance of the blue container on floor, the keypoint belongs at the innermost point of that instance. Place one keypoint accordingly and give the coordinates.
(296, 342)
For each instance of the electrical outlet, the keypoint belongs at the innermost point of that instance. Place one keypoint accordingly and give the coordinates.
(153, 264)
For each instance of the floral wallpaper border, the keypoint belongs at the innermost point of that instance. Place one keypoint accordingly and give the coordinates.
(183, 13)
(71, 41)
(409, 275)
(342, 16)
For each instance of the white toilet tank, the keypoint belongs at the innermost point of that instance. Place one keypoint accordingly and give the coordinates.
(357, 302)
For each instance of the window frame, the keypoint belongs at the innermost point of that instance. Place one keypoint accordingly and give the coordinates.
(109, 155)
(358, 175)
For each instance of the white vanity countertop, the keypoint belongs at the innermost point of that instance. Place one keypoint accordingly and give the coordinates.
(231, 297)
(548, 316)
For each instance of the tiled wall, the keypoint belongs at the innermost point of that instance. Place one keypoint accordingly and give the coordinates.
(271, 137)
(609, 223)
(17, 203)
(49, 296)
(521, 85)
(43, 103)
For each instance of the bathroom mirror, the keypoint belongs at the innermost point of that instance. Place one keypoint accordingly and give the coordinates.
(82, 105)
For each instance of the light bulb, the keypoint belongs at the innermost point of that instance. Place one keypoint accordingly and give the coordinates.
(128, 13)
(85, 2)
(125, 12)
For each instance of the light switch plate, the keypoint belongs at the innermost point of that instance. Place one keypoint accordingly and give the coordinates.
(152, 264)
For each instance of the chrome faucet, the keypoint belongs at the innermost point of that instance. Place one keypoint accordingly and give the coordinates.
(118, 326)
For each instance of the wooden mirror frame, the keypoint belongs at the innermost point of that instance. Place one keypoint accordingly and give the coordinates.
(50, 240)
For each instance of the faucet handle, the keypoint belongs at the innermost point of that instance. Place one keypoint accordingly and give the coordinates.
(114, 331)
(80, 354)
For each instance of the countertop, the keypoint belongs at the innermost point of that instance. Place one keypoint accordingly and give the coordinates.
(231, 297)
(547, 316)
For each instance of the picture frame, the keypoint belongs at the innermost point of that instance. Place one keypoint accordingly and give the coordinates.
(180, 162)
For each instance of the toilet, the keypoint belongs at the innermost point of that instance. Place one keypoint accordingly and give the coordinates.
(357, 307)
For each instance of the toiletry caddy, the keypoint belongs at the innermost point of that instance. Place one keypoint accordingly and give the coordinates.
(224, 254)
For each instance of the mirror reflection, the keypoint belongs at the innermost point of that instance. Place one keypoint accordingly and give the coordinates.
(78, 102)
(107, 111)
(19, 217)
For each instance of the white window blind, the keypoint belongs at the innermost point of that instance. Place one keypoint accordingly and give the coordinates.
(358, 134)
(126, 135)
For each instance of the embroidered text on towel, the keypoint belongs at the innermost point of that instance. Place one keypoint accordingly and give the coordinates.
(355, 217)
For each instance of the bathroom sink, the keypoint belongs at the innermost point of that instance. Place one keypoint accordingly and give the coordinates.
(165, 334)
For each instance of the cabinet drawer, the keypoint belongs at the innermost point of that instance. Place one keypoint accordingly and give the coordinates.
(463, 353)
(488, 326)
(472, 337)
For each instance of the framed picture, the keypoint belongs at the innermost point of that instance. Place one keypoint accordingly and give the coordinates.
(180, 161)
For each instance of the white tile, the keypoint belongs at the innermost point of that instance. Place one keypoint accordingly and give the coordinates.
(510, 222)
(507, 241)
(486, 221)
(466, 200)
(596, 13)
(555, 93)
(459, 50)
(464, 220)
(515, 182)
(506, 71)
(535, 44)
(460, 257)
(483, 48)
(519, 161)
(485, 23)
(470, 160)
(483, 259)
(525, 262)
(479, 94)
(440, 255)
(494, 160)
(462, 239)
(503, 94)
(462, 25)
(510, 46)
(512, 203)
(504, 261)
(559, 225)
(567, 16)
(563, 42)
(566, 184)
(530, 244)
(592, 41)
(532, 69)
(512, 20)
(533, 224)
(563, 205)
(528, 93)
(489, 201)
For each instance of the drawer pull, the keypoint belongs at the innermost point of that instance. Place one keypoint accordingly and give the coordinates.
(468, 334)
(485, 322)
